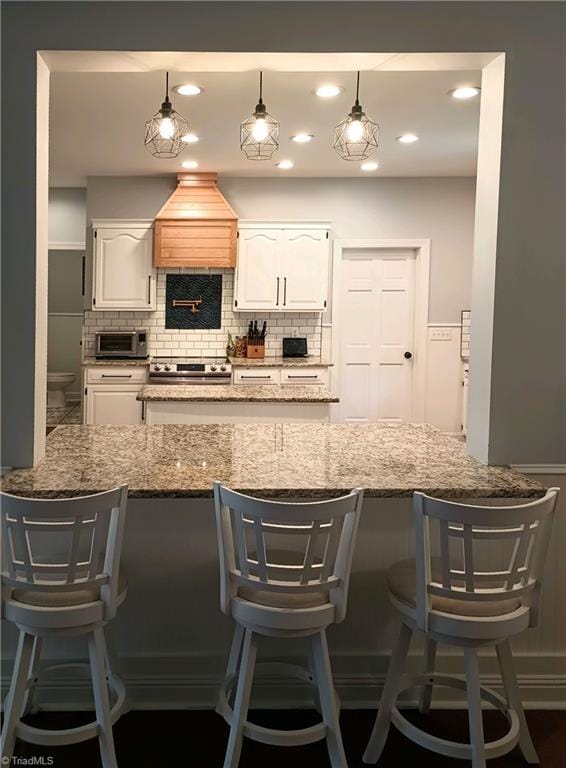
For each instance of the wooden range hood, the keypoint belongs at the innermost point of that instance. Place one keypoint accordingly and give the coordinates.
(196, 227)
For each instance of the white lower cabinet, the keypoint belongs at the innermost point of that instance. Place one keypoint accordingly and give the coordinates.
(306, 375)
(259, 375)
(113, 404)
(111, 392)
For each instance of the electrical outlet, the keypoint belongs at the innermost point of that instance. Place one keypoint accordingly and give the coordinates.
(440, 334)
(295, 332)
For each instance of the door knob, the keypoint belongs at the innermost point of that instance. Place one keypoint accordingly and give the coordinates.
(407, 355)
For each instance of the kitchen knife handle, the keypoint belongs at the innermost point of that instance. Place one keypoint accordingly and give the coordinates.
(284, 291)
(277, 300)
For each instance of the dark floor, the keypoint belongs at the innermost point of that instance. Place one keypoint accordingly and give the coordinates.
(198, 738)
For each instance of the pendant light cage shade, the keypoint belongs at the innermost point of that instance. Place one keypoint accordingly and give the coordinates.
(357, 136)
(259, 134)
(165, 130)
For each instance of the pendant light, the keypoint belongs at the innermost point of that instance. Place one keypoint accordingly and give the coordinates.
(164, 132)
(259, 134)
(355, 138)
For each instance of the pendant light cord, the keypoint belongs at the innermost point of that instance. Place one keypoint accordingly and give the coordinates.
(167, 86)
(358, 89)
(260, 87)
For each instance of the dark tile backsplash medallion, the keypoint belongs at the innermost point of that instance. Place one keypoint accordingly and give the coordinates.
(193, 301)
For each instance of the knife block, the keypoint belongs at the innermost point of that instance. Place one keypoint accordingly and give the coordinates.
(256, 351)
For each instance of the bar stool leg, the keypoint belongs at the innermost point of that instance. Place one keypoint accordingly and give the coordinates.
(242, 701)
(96, 651)
(330, 713)
(33, 676)
(380, 730)
(16, 695)
(313, 681)
(426, 691)
(474, 707)
(234, 657)
(514, 700)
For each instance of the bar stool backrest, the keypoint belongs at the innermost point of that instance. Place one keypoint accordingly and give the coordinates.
(469, 569)
(58, 545)
(286, 547)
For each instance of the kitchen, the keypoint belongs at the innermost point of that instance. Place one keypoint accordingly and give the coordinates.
(266, 306)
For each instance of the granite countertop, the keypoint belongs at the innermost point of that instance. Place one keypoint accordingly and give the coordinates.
(284, 362)
(118, 361)
(269, 460)
(239, 393)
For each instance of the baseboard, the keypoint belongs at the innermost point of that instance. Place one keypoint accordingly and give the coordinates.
(149, 688)
(540, 469)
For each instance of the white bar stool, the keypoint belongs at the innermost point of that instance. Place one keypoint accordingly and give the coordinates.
(62, 578)
(465, 599)
(283, 591)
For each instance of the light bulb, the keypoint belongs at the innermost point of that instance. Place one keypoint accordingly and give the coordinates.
(166, 128)
(355, 130)
(260, 130)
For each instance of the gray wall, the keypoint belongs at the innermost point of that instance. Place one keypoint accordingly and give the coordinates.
(67, 214)
(529, 371)
(441, 209)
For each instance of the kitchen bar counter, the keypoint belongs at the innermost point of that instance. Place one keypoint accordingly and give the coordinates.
(120, 361)
(278, 361)
(241, 393)
(269, 460)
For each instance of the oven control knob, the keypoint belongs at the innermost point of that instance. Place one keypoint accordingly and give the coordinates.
(167, 368)
(222, 367)
(212, 367)
(156, 367)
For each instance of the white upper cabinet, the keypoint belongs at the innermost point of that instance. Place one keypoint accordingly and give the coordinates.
(282, 267)
(124, 277)
(258, 279)
(305, 269)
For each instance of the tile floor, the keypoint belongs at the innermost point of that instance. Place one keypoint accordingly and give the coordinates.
(71, 414)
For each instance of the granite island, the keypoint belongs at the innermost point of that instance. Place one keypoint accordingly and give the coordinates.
(171, 637)
(235, 403)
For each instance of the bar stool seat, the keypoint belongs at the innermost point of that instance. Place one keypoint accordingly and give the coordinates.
(482, 590)
(47, 594)
(402, 583)
(279, 593)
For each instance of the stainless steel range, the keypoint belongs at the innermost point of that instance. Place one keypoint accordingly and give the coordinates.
(190, 370)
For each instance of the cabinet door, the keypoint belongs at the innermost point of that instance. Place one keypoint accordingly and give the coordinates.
(304, 270)
(258, 279)
(109, 404)
(123, 273)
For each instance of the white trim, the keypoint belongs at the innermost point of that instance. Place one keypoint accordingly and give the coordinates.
(65, 314)
(66, 246)
(153, 686)
(421, 246)
(540, 469)
(444, 325)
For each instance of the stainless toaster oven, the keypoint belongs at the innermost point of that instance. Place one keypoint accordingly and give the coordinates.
(112, 344)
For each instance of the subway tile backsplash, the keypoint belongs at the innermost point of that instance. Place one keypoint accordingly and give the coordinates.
(174, 342)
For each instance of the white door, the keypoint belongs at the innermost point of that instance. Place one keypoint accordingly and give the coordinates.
(305, 269)
(258, 281)
(376, 334)
(112, 405)
(123, 269)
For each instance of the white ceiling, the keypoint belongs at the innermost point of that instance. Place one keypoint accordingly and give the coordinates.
(97, 117)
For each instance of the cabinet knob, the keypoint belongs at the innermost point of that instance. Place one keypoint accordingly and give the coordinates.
(408, 355)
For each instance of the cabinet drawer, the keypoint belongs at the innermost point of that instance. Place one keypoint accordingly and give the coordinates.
(117, 374)
(257, 376)
(304, 376)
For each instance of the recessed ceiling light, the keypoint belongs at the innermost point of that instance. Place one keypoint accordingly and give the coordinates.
(328, 91)
(466, 92)
(302, 138)
(371, 166)
(408, 138)
(188, 89)
(189, 164)
(285, 165)
(190, 138)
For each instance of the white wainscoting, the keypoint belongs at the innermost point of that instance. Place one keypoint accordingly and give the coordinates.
(173, 640)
